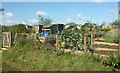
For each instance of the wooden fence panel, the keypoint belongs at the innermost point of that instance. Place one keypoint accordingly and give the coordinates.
(6, 39)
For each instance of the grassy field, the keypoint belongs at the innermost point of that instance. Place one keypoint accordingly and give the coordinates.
(7, 67)
(24, 58)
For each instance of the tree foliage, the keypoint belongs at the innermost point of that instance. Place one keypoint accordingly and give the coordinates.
(75, 38)
(115, 23)
(20, 28)
(44, 21)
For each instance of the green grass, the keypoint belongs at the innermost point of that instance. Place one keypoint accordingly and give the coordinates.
(57, 61)
(34, 56)
(111, 38)
(7, 67)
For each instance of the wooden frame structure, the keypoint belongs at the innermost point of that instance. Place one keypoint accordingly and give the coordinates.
(7, 36)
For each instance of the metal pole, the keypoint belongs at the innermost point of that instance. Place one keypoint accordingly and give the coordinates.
(91, 31)
(91, 16)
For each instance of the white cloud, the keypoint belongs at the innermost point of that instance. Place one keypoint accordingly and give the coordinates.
(72, 9)
(103, 20)
(98, 0)
(69, 20)
(24, 23)
(58, 19)
(80, 19)
(9, 22)
(0, 16)
(7, 19)
(9, 15)
(114, 14)
(58, 0)
(41, 13)
(113, 10)
(33, 21)
(79, 15)
(1, 23)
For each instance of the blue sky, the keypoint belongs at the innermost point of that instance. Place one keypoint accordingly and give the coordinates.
(60, 12)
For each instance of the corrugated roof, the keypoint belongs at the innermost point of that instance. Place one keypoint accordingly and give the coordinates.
(49, 25)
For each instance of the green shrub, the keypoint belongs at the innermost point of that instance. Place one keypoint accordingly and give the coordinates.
(73, 39)
(114, 61)
(111, 38)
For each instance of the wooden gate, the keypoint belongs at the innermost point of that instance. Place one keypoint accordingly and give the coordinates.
(6, 39)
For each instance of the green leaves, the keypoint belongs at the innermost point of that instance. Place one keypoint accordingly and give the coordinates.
(69, 36)
(44, 21)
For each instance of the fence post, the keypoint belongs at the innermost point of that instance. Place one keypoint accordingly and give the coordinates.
(56, 41)
(57, 38)
(119, 46)
(16, 35)
(35, 37)
(85, 44)
(92, 41)
(85, 39)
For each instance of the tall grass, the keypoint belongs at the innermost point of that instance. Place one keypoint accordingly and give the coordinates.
(111, 38)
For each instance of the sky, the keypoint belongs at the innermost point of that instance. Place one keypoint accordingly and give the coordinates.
(59, 12)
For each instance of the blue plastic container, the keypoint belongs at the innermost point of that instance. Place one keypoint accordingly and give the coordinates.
(58, 32)
(42, 33)
(83, 27)
(46, 34)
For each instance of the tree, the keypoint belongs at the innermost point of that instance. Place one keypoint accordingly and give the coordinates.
(44, 21)
(20, 28)
(115, 23)
(72, 23)
(103, 24)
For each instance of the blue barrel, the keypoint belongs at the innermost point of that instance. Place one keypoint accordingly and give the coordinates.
(47, 34)
(58, 32)
(42, 33)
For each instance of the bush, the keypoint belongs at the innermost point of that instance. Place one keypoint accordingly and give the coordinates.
(111, 38)
(112, 61)
(73, 39)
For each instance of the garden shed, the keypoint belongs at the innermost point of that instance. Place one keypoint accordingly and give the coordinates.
(37, 28)
(52, 28)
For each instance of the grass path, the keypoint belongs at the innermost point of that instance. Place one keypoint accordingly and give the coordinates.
(14, 65)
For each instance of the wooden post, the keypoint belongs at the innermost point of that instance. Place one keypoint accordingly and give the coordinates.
(85, 44)
(56, 41)
(10, 39)
(35, 37)
(119, 46)
(16, 35)
(57, 38)
(92, 41)
(85, 49)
